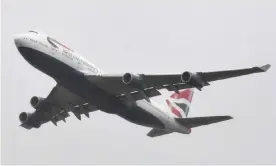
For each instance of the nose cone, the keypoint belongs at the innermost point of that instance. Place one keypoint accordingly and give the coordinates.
(19, 40)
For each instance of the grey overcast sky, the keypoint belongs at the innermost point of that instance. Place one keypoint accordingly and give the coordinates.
(152, 36)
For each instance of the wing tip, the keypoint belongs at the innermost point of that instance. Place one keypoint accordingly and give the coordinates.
(265, 67)
(149, 135)
(28, 127)
(229, 117)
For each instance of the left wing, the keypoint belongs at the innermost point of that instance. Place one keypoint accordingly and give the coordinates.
(55, 108)
(141, 86)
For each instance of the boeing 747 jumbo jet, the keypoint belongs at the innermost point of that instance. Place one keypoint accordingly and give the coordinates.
(82, 88)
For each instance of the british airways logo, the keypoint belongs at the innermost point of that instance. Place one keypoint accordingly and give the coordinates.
(54, 43)
(178, 102)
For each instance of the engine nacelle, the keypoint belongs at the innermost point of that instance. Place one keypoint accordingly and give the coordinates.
(36, 101)
(133, 80)
(28, 120)
(24, 117)
(193, 79)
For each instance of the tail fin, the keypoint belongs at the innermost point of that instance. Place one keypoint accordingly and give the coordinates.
(179, 103)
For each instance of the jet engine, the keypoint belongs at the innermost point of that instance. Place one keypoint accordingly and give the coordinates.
(133, 80)
(27, 120)
(36, 101)
(193, 79)
(24, 117)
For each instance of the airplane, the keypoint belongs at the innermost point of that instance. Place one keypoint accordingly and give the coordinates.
(81, 88)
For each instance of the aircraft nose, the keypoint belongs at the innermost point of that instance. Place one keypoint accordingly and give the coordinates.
(19, 40)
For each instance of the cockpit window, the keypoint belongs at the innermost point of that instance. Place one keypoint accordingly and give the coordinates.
(34, 32)
(54, 43)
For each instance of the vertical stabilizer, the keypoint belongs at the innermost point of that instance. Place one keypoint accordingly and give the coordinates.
(179, 103)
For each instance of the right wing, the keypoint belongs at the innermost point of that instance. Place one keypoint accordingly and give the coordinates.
(140, 86)
(200, 121)
(55, 108)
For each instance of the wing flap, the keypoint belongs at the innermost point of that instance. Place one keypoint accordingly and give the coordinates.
(200, 121)
(139, 95)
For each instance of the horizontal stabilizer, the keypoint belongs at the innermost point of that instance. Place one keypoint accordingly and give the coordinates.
(157, 132)
(200, 121)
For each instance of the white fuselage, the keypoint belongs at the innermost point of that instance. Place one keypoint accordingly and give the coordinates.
(40, 43)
